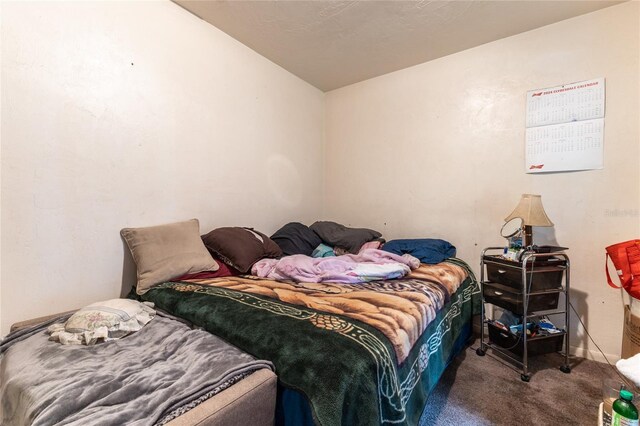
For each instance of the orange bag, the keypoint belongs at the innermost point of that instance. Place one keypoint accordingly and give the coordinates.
(626, 258)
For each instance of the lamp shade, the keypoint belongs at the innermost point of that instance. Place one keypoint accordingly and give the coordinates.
(531, 211)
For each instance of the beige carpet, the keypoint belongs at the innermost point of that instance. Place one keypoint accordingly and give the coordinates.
(478, 390)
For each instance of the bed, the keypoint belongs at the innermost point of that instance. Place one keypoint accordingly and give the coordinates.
(357, 354)
(200, 380)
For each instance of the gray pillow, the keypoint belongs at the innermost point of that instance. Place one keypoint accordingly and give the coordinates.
(337, 235)
(296, 238)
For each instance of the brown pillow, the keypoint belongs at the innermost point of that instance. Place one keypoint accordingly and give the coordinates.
(240, 247)
(167, 251)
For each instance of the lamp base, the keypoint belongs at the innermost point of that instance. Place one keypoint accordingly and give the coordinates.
(527, 241)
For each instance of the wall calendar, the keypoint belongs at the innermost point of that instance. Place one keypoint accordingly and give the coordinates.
(565, 127)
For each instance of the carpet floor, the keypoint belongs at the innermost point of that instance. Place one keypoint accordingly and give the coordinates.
(486, 390)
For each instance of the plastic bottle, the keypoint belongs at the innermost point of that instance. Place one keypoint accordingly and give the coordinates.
(624, 412)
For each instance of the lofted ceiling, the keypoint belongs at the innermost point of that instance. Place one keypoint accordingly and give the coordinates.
(331, 44)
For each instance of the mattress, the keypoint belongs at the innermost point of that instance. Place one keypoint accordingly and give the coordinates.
(249, 399)
(353, 354)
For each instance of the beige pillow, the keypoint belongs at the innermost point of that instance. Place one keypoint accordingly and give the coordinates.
(167, 251)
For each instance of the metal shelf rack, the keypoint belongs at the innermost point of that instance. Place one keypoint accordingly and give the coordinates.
(527, 267)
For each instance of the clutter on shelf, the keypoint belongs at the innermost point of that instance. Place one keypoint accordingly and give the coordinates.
(542, 327)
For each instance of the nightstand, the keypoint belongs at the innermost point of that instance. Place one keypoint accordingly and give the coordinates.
(529, 289)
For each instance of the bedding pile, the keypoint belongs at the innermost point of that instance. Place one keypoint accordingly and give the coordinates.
(323, 252)
(148, 377)
(368, 265)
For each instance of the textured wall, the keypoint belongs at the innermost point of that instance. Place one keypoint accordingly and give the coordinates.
(118, 114)
(437, 150)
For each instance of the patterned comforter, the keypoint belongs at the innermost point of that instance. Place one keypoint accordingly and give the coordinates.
(365, 353)
(399, 309)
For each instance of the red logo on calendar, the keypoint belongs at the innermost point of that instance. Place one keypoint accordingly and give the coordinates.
(536, 94)
(536, 166)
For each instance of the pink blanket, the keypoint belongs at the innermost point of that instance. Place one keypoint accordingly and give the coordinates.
(368, 265)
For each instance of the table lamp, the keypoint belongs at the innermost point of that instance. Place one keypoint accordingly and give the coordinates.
(530, 210)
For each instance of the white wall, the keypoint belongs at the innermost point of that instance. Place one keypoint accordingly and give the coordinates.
(118, 114)
(437, 150)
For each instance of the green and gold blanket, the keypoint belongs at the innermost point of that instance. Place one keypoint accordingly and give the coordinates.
(361, 353)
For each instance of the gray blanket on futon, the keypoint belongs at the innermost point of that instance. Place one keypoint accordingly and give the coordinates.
(142, 379)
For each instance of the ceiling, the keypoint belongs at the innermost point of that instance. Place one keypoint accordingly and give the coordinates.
(331, 44)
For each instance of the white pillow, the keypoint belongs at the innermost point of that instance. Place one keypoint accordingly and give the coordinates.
(108, 320)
